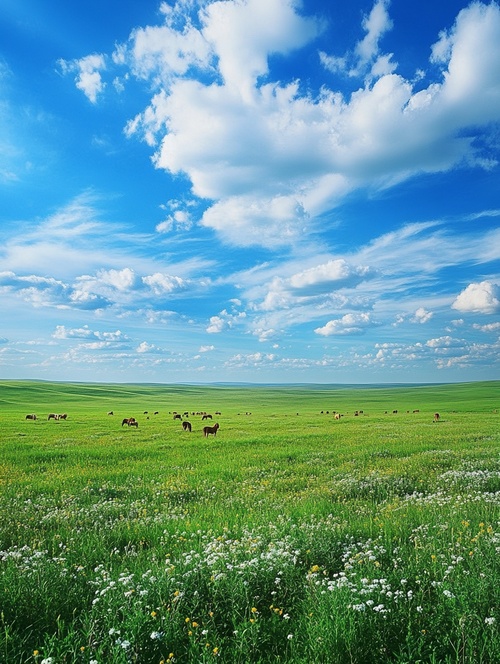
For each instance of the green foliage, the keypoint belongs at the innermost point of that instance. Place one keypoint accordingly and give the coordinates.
(289, 537)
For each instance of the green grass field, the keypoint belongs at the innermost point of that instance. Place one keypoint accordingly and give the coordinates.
(288, 537)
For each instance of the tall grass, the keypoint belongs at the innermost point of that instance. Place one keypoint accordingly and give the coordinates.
(288, 537)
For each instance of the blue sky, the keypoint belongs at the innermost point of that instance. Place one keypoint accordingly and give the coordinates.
(250, 190)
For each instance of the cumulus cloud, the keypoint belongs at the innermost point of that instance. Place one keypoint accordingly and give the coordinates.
(482, 298)
(216, 325)
(161, 283)
(144, 347)
(225, 320)
(115, 337)
(88, 74)
(490, 327)
(324, 279)
(49, 292)
(421, 315)
(180, 220)
(353, 323)
(270, 159)
(375, 24)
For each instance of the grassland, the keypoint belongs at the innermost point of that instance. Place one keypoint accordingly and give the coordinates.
(289, 537)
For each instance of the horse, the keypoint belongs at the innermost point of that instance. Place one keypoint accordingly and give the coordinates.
(177, 416)
(32, 416)
(130, 421)
(206, 417)
(52, 416)
(64, 416)
(436, 417)
(110, 412)
(210, 430)
(186, 425)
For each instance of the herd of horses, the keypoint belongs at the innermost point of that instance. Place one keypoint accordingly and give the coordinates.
(186, 424)
(52, 416)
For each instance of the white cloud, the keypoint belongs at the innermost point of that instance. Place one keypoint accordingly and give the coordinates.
(144, 347)
(225, 320)
(353, 323)
(163, 283)
(325, 280)
(490, 327)
(180, 219)
(244, 34)
(62, 332)
(216, 325)
(375, 24)
(122, 280)
(422, 315)
(483, 298)
(206, 349)
(88, 70)
(270, 160)
(103, 338)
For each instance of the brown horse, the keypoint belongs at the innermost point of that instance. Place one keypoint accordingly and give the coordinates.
(436, 417)
(186, 426)
(210, 430)
(131, 422)
(32, 416)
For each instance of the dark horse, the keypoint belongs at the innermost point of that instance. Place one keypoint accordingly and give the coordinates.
(210, 430)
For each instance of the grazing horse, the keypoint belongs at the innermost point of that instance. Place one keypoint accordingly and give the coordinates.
(130, 421)
(177, 416)
(186, 426)
(338, 416)
(436, 417)
(32, 416)
(64, 416)
(110, 412)
(210, 430)
(206, 417)
(52, 416)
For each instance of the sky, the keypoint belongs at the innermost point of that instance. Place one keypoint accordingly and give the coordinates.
(265, 191)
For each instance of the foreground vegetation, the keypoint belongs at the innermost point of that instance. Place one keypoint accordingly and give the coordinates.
(289, 537)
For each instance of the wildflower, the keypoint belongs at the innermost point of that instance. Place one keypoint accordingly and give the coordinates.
(489, 621)
(290, 637)
(155, 636)
(153, 614)
(36, 653)
(254, 610)
(47, 660)
(215, 651)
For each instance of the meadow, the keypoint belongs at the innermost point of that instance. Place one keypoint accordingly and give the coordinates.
(290, 536)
